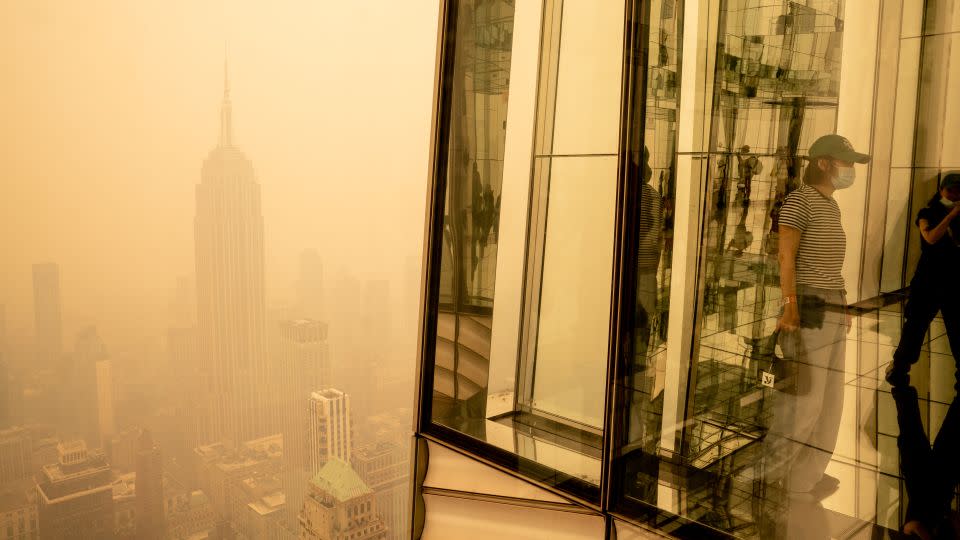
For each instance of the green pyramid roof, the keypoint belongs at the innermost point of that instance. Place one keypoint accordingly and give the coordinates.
(338, 478)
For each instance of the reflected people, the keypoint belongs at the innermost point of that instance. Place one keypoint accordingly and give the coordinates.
(933, 287)
(649, 247)
(649, 231)
(812, 328)
(646, 377)
(930, 474)
(748, 166)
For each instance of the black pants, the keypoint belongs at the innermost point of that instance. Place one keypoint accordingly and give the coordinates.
(922, 306)
(930, 474)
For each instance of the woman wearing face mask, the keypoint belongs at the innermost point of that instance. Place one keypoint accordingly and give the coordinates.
(939, 265)
(930, 474)
(813, 327)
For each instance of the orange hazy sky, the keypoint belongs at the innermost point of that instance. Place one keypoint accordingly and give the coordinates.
(110, 106)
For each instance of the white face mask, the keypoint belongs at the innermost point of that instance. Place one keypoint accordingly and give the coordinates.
(947, 202)
(844, 177)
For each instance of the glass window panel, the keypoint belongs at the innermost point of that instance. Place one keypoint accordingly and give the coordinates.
(546, 404)
(477, 95)
(906, 106)
(588, 82)
(898, 227)
(912, 18)
(931, 104)
(950, 157)
(571, 347)
(652, 142)
(941, 17)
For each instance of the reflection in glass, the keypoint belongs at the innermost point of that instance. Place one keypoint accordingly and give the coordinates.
(652, 135)
(479, 85)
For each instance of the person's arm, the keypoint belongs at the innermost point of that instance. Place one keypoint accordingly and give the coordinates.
(787, 257)
(933, 234)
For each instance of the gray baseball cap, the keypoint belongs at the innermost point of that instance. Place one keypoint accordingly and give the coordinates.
(836, 147)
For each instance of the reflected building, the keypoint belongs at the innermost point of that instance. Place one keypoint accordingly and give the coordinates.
(230, 291)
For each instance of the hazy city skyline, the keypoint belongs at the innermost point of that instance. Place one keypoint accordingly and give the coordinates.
(169, 311)
(101, 164)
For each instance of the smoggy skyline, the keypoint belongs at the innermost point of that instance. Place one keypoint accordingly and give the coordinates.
(113, 108)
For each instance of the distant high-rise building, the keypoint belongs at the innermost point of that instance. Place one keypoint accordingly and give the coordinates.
(329, 427)
(224, 473)
(124, 488)
(183, 303)
(303, 366)
(16, 455)
(151, 524)
(105, 394)
(310, 301)
(75, 495)
(340, 506)
(367, 342)
(122, 450)
(3, 327)
(18, 510)
(47, 317)
(190, 514)
(230, 290)
(11, 394)
(183, 381)
(83, 387)
(385, 468)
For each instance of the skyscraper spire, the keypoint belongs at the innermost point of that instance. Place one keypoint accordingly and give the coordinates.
(226, 120)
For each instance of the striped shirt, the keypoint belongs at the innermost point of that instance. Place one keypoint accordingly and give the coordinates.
(650, 223)
(822, 242)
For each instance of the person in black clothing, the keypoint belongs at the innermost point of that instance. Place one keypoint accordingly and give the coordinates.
(930, 474)
(929, 290)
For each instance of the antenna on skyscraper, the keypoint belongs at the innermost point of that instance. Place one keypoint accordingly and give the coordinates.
(226, 120)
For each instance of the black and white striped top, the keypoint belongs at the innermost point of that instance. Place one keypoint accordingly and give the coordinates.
(822, 241)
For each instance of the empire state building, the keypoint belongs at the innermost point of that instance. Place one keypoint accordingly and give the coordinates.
(230, 291)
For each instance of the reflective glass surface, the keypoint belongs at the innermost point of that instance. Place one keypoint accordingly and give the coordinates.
(729, 378)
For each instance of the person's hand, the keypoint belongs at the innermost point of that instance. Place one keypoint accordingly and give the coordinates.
(954, 211)
(790, 320)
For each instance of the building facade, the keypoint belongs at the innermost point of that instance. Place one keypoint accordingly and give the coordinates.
(48, 321)
(16, 455)
(75, 495)
(329, 428)
(385, 468)
(151, 520)
(18, 510)
(303, 368)
(340, 507)
(230, 291)
(603, 292)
